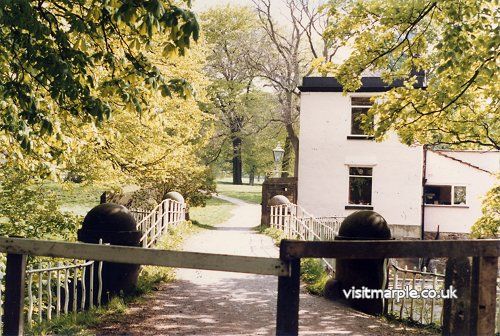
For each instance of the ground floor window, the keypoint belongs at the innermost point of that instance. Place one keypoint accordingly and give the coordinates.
(445, 194)
(360, 185)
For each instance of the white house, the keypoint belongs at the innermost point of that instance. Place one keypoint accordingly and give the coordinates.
(341, 170)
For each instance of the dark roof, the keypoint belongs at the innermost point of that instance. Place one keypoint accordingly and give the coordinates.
(369, 84)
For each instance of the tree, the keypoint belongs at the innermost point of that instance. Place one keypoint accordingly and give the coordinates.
(455, 43)
(288, 58)
(239, 108)
(160, 149)
(66, 64)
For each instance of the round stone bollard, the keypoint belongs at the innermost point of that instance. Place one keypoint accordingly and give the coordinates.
(115, 225)
(361, 273)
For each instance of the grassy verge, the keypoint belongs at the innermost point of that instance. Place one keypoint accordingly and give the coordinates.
(247, 193)
(149, 280)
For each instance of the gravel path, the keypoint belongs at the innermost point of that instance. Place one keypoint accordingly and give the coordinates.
(222, 303)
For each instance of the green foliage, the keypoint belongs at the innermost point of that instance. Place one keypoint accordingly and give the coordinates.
(241, 110)
(488, 226)
(70, 324)
(28, 210)
(313, 273)
(77, 61)
(276, 234)
(454, 42)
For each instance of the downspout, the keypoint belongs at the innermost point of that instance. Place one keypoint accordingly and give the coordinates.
(424, 181)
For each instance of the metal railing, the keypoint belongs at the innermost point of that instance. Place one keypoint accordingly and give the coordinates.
(424, 311)
(155, 223)
(62, 288)
(297, 223)
(59, 288)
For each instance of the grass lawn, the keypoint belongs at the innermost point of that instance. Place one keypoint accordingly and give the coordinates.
(76, 198)
(245, 192)
(216, 211)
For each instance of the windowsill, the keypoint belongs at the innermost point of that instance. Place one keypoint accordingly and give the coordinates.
(464, 206)
(358, 207)
(359, 137)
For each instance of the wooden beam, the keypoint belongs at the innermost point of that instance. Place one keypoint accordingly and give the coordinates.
(287, 314)
(483, 295)
(142, 256)
(13, 316)
(374, 249)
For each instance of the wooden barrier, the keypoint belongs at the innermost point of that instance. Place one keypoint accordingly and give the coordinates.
(485, 268)
(287, 268)
(17, 249)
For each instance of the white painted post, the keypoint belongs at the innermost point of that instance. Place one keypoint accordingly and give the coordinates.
(58, 290)
(30, 295)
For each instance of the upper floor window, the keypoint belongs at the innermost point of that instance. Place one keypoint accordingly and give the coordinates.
(360, 185)
(445, 194)
(359, 109)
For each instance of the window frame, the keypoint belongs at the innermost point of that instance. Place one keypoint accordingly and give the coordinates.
(352, 136)
(354, 206)
(452, 195)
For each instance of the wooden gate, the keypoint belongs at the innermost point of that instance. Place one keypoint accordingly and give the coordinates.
(485, 254)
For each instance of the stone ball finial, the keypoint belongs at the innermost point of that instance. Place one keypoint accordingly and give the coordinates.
(174, 195)
(109, 217)
(365, 224)
(279, 200)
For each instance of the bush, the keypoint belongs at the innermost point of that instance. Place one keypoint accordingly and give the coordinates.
(488, 226)
(313, 273)
(28, 209)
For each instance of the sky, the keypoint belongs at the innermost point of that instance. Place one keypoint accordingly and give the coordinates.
(279, 12)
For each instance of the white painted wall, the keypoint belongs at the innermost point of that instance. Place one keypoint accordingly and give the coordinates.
(325, 152)
(444, 171)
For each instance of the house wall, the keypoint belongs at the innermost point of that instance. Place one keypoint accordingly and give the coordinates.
(445, 171)
(325, 153)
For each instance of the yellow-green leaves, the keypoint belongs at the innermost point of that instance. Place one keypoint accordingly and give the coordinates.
(85, 61)
(454, 43)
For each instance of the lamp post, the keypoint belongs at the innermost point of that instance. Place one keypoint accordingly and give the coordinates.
(278, 153)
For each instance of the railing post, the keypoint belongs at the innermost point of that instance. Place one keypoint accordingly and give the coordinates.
(483, 295)
(287, 315)
(13, 323)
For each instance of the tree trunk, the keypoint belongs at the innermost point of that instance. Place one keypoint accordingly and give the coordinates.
(251, 177)
(294, 140)
(287, 156)
(288, 106)
(237, 162)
